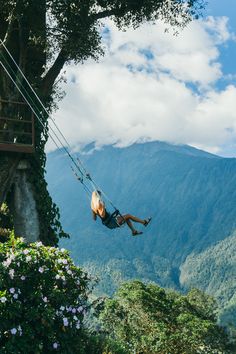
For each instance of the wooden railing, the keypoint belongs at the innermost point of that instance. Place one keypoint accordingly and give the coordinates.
(16, 127)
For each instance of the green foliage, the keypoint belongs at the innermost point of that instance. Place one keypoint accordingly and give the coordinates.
(113, 273)
(6, 224)
(147, 319)
(101, 344)
(42, 300)
(213, 271)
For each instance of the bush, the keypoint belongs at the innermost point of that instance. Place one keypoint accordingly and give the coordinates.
(6, 223)
(43, 298)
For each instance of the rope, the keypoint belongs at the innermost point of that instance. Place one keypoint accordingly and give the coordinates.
(39, 100)
(28, 98)
(79, 166)
(42, 105)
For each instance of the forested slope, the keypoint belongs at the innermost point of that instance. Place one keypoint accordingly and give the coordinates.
(214, 271)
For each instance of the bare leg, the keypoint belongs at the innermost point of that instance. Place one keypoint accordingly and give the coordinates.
(127, 218)
(133, 218)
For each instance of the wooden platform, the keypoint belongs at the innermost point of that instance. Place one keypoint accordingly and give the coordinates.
(16, 127)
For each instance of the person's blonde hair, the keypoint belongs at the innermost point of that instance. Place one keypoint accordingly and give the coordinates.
(95, 201)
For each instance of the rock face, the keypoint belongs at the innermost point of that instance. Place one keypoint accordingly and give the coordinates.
(13, 176)
(25, 216)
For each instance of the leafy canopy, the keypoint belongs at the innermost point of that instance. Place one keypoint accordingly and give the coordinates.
(74, 27)
(147, 319)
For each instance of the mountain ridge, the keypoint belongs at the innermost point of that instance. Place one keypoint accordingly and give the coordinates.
(190, 194)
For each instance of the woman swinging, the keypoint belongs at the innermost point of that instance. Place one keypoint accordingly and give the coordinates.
(114, 220)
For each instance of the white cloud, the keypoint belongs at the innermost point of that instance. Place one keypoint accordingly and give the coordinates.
(152, 99)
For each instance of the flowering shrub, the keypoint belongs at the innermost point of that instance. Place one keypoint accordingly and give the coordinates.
(42, 299)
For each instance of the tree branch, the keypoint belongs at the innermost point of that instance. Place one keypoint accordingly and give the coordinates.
(53, 72)
(9, 28)
(107, 13)
(102, 14)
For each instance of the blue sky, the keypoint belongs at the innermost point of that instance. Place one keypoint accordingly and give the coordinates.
(151, 85)
(228, 52)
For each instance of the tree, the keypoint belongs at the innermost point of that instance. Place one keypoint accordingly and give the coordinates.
(43, 36)
(148, 319)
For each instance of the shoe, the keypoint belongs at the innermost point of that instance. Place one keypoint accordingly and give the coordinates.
(136, 233)
(147, 221)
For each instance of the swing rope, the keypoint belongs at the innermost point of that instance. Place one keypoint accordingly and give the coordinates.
(76, 162)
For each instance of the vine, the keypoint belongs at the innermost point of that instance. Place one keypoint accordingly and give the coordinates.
(49, 215)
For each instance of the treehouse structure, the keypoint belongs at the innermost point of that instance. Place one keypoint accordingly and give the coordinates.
(16, 127)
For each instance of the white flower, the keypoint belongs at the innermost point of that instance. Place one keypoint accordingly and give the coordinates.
(15, 296)
(13, 331)
(28, 258)
(63, 278)
(75, 318)
(55, 345)
(62, 308)
(65, 321)
(3, 299)
(73, 310)
(78, 325)
(7, 262)
(62, 250)
(26, 251)
(22, 277)
(19, 291)
(64, 261)
(11, 273)
(80, 309)
(20, 330)
(12, 290)
(38, 244)
(41, 270)
(69, 272)
(45, 299)
(57, 276)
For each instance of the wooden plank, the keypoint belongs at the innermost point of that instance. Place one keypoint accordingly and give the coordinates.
(12, 102)
(28, 149)
(16, 120)
(15, 132)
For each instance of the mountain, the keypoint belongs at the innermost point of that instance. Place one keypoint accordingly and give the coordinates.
(190, 194)
(214, 271)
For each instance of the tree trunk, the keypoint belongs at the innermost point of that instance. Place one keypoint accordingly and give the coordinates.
(15, 176)
(8, 165)
(14, 180)
(23, 205)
